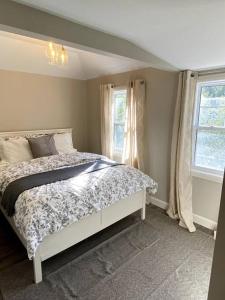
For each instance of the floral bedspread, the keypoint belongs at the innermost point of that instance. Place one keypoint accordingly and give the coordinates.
(47, 209)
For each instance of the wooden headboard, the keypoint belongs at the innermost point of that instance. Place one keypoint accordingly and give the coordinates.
(33, 132)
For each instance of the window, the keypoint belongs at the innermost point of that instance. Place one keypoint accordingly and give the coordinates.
(209, 127)
(119, 98)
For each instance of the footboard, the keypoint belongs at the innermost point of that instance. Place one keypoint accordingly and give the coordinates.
(78, 231)
(86, 227)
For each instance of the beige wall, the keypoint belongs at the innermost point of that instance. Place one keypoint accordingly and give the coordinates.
(160, 104)
(161, 95)
(206, 198)
(30, 101)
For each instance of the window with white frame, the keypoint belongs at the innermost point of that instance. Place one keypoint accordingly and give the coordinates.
(119, 98)
(209, 127)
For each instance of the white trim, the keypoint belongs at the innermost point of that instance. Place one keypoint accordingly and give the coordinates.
(158, 202)
(209, 176)
(197, 128)
(196, 121)
(207, 223)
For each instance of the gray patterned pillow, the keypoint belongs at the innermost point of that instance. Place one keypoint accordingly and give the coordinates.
(42, 146)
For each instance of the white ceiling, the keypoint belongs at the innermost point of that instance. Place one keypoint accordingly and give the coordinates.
(186, 34)
(25, 54)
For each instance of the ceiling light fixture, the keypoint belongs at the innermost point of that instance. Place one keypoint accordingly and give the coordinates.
(56, 54)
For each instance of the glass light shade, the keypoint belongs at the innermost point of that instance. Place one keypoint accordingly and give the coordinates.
(56, 54)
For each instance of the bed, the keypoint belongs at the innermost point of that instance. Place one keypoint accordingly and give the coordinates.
(55, 216)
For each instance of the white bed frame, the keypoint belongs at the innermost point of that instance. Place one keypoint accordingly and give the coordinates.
(78, 231)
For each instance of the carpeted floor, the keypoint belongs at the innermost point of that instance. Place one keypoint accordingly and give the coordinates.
(154, 259)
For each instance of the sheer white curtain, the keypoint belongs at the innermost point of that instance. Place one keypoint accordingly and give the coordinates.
(133, 153)
(180, 199)
(106, 119)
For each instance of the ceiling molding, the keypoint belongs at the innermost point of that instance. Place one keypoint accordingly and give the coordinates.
(28, 21)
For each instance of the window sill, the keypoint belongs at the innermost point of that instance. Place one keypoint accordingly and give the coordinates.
(207, 175)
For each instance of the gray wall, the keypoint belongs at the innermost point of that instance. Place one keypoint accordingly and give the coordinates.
(31, 101)
(161, 95)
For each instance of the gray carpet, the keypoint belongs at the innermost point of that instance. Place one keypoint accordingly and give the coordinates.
(154, 259)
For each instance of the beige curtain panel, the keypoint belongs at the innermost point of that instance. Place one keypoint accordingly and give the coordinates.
(106, 119)
(180, 198)
(133, 153)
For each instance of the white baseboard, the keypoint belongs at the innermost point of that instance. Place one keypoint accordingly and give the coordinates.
(207, 223)
(158, 202)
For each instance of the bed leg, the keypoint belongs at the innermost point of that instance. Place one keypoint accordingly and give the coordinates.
(37, 268)
(143, 206)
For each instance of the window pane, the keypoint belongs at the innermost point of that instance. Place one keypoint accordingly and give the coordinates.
(120, 105)
(118, 137)
(210, 149)
(212, 106)
(119, 115)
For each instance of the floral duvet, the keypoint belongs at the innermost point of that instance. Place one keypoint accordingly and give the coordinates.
(46, 209)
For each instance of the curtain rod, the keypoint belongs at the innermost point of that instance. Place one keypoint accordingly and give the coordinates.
(211, 72)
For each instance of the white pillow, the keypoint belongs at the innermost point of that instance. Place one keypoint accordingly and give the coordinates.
(64, 142)
(15, 150)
